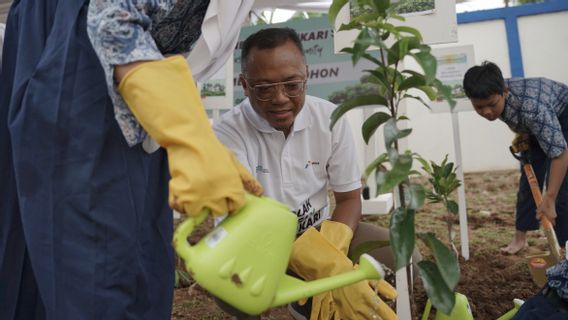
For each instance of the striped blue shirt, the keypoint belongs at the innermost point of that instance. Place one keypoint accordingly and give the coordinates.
(533, 106)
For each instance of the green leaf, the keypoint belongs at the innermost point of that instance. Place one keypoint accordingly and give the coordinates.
(396, 175)
(389, 27)
(445, 92)
(380, 74)
(402, 236)
(372, 124)
(366, 247)
(429, 91)
(354, 103)
(182, 278)
(415, 196)
(349, 26)
(401, 48)
(361, 44)
(375, 164)
(447, 168)
(428, 63)
(453, 207)
(425, 164)
(381, 6)
(366, 56)
(397, 17)
(441, 296)
(410, 30)
(419, 99)
(392, 132)
(446, 261)
(334, 9)
(412, 82)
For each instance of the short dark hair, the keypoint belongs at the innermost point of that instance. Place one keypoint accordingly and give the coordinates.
(481, 82)
(269, 38)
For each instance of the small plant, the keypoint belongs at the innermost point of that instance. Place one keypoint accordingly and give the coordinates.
(392, 85)
(444, 181)
(182, 279)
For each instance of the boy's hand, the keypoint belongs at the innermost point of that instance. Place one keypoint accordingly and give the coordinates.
(547, 208)
(520, 143)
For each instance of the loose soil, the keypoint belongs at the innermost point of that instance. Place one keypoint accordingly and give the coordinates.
(489, 279)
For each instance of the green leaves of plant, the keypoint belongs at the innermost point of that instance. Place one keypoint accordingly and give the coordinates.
(388, 87)
(375, 164)
(381, 6)
(414, 196)
(440, 278)
(428, 63)
(334, 9)
(354, 103)
(367, 246)
(402, 236)
(372, 124)
(362, 43)
(446, 260)
(392, 132)
(386, 181)
(437, 290)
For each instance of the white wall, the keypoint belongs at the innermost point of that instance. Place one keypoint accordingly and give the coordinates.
(485, 144)
(544, 45)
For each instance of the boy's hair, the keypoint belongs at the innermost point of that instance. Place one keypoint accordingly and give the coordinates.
(269, 39)
(481, 82)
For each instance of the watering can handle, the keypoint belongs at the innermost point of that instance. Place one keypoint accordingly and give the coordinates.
(183, 231)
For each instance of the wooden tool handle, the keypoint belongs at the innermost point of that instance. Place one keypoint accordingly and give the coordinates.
(547, 225)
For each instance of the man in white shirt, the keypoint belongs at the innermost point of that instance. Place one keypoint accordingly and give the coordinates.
(283, 137)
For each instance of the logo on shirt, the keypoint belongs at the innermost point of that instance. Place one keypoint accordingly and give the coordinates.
(311, 163)
(261, 169)
(308, 216)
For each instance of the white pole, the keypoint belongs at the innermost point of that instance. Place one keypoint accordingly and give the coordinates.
(464, 234)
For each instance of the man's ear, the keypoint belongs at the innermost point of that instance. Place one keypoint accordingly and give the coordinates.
(244, 84)
(307, 72)
(506, 93)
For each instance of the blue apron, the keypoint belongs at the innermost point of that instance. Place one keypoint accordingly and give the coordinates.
(85, 230)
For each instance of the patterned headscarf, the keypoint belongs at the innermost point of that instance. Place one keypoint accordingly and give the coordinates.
(177, 32)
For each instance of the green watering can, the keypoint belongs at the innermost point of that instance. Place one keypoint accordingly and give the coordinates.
(461, 310)
(243, 261)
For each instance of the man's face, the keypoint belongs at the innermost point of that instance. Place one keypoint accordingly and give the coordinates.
(490, 108)
(264, 67)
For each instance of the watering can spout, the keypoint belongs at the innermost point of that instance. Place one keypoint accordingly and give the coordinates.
(243, 261)
(293, 289)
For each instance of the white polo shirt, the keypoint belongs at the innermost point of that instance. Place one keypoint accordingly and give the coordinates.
(298, 170)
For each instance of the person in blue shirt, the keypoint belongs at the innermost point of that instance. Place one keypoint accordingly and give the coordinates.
(102, 131)
(536, 107)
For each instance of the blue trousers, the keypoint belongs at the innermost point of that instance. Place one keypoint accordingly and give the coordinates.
(526, 207)
(85, 229)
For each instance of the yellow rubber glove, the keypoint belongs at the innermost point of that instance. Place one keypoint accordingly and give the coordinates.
(314, 257)
(204, 174)
(340, 235)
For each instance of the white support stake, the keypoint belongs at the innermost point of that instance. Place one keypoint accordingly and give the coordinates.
(464, 234)
(403, 299)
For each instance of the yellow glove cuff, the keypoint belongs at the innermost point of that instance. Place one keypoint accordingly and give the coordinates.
(339, 234)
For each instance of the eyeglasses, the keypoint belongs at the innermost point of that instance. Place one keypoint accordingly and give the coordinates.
(266, 92)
